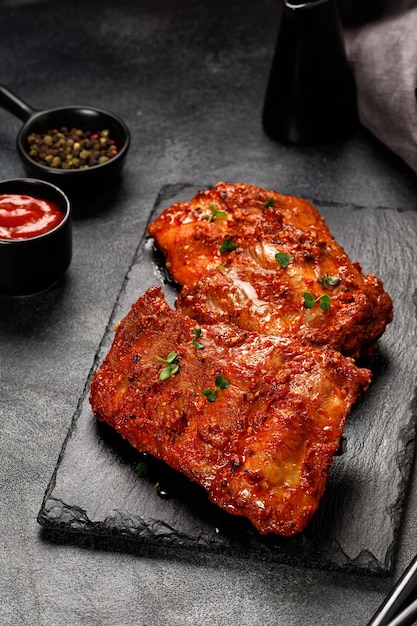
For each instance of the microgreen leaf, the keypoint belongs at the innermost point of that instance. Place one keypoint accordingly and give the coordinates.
(269, 202)
(210, 394)
(197, 344)
(324, 302)
(172, 356)
(168, 371)
(283, 259)
(227, 246)
(310, 301)
(329, 281)
(221, 383)
(171, 368)
(215, 213)
(141, 468)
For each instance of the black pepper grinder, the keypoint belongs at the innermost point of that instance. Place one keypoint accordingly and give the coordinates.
(311, 97)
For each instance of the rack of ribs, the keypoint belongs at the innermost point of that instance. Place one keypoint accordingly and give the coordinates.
(255, 419)
(251, 257)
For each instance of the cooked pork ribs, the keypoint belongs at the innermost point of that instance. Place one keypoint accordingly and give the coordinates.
(190, 234)
(270, 300)
(254, 419)
(267, 262)
(246, 386)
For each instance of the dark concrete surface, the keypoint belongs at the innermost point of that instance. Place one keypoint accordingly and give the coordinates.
(189, 79)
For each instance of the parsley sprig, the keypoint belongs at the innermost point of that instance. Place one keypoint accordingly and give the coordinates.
(172, 366)
(220, 383)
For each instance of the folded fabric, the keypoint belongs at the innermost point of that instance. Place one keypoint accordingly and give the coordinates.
(383, 57)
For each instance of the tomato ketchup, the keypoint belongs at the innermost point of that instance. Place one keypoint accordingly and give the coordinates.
(24, 217)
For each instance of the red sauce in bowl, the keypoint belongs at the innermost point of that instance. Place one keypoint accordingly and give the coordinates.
(24, 217)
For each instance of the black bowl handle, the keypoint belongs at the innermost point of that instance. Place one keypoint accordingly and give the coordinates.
(13, 104)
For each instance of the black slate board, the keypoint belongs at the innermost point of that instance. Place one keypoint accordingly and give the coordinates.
(96, 491)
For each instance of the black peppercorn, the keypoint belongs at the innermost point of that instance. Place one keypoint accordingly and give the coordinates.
(71, 148)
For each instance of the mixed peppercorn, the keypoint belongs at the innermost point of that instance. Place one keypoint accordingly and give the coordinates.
(71, 148)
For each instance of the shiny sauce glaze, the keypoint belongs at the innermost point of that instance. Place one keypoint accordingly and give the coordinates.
(24, 217)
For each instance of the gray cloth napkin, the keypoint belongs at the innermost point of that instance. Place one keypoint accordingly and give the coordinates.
(383, 57)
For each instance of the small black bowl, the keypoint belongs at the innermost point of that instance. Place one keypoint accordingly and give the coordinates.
(82, 117)
(30, 266)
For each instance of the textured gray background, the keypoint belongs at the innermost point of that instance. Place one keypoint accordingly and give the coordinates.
(189, 78)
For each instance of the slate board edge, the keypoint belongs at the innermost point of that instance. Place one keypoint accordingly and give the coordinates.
(99, 533)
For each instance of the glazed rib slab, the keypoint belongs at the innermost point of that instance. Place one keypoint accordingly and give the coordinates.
(248, 287)
(262, 448)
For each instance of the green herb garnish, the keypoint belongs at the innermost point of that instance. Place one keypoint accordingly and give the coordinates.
(171, 366)
(324, 302)
(142, 468)
(215, 213)
(210, 394)
(197, 333)
(269, 202)
(329, 281)
(310, 301)
(220, 383)
(283, 259)
(227, 246)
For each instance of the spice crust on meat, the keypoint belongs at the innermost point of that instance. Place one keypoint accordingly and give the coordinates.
(262, 446)
(246, 387)
(226, 247)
